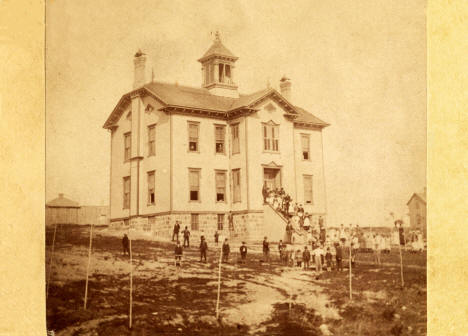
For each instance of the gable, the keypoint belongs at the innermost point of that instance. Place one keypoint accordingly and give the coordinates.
(416, 198)
(179, 98)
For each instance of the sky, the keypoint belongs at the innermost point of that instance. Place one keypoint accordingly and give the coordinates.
(358, 65)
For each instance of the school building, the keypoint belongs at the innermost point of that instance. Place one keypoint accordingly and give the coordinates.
(198, 154)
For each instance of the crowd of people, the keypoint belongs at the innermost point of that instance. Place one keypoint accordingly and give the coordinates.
(322, 251)
(318, 248)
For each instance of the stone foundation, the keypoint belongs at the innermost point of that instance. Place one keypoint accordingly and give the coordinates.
(245, 227)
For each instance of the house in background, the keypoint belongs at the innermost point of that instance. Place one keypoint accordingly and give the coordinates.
(200, 155)
(417, 212)
(62, 210)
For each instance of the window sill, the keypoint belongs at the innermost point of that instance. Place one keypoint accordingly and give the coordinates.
(235, 153)
(219, 153)
(196, 152)
(192, 201)
(271, 152)
(150, 204)
(222, 202)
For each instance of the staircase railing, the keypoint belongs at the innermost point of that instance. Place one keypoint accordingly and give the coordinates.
(278, 213)
(299, 232)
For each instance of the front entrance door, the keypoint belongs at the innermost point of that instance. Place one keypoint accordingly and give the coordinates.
(272, 178)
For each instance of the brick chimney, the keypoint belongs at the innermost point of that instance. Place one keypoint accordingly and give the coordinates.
(285, 88)
(139, 74)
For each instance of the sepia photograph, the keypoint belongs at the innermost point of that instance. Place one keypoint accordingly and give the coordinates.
(235, 168)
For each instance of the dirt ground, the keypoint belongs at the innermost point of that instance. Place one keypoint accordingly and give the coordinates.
(256, 298)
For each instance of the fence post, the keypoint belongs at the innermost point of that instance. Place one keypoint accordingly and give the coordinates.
(219, 278)
(51, 259)
(87, 268)
(350, 276)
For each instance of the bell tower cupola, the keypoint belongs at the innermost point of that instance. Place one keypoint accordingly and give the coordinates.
(218, 65)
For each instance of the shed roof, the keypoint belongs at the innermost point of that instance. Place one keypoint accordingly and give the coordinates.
(62, 202)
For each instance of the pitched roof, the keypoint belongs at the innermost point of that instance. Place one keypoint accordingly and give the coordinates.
(179, 95)
(421, 196)
(200, 98)
(62, 202)
(308, 118)
(217, 49)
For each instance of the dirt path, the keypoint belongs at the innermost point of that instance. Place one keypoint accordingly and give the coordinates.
(256, 298)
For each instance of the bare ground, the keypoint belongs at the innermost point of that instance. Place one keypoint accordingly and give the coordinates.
(256, 298)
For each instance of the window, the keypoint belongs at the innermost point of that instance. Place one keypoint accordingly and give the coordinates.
(235, 139)
(221, 73)
(220, 221)
(151, 195)
(219, 139)
(207, 74)
(193, 136)
(270, 137)
(194, 222)
(211, 70)
(151, 140)
(220, 181)
(126, 192)
(227, 71)
(236, 185)
(305, 140)
(127, 145)
(308, 192)
(194, 181)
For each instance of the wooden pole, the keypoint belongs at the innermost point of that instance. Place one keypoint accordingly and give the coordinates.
(401, 262)
(350, 275)
(219, 281)
(51, 259)
(131, 282)
(87, 268)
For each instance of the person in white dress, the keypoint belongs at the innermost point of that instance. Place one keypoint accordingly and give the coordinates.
(306, 222)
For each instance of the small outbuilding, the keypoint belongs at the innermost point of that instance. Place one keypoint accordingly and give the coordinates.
(62, 210)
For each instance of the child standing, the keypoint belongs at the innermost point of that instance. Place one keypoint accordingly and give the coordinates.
(216, 237)
(226, 250)
(306, 257)
(328, 258)
(339, 256)
(203, 249)
(298, 258)
(243, 252)
(318, 253)
(178, 254)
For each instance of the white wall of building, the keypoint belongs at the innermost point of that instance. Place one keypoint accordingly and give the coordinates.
(206, 159)
(258, 157)
(314, 167)
(251, 161)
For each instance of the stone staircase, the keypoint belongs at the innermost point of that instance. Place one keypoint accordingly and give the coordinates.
(275, 227)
